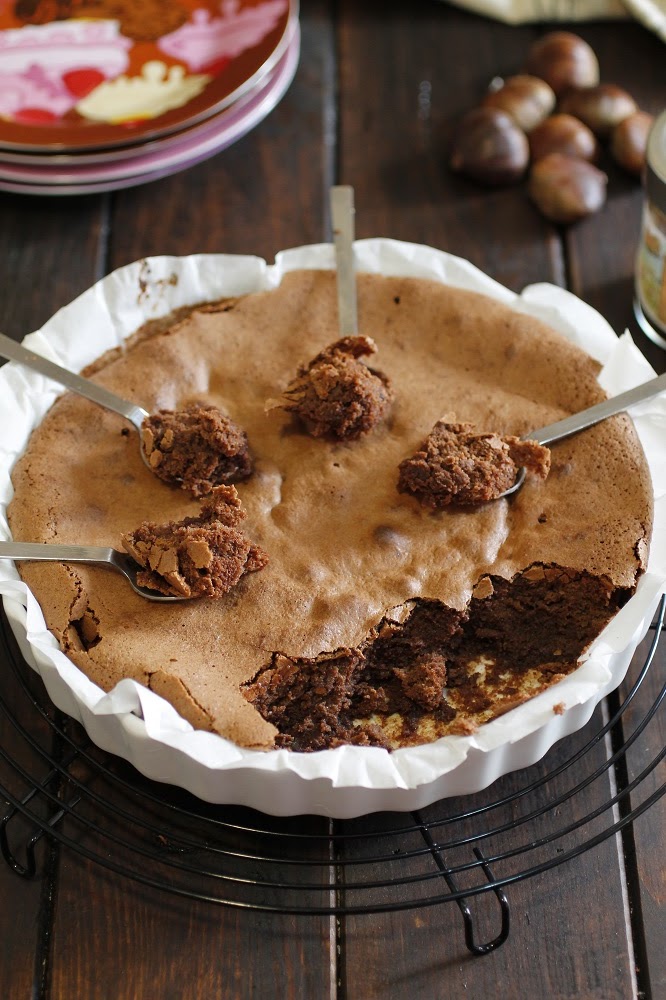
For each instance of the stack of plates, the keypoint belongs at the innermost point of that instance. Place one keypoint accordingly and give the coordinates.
(118, 92)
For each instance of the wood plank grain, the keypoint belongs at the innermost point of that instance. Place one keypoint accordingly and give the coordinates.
(402, 95)
(25, 901)
(644, 842)
(50, 250)
(567, 934)
(172, 946)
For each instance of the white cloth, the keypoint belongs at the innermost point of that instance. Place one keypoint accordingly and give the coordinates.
(652, 13)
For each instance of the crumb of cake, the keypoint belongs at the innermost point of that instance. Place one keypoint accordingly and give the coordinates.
(197, 448)
(529, 454)
(458, 465)
(203, 556)
(336, 395)
(560, 708)
(483, 588)
(83, 630)
(437, 671)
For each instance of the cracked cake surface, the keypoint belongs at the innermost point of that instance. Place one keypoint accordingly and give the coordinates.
(351, 559)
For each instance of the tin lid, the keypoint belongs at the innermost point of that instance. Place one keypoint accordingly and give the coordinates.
(655, 166)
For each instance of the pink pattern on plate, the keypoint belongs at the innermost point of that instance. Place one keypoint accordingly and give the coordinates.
(206, 42)
(38, 61)
(34, 90)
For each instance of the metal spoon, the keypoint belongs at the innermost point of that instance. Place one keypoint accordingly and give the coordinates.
(342, 218)
(82, 386)
(587, 418)
(93, 554)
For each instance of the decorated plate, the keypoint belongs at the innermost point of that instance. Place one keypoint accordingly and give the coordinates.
(86, 74)
(56, 160)
(162, 156)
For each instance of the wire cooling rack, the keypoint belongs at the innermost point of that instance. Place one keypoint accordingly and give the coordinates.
(58, 787)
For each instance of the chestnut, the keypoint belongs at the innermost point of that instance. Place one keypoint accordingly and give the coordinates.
(563, 60)
(566, 189)
(563, 134)
(526, 98)
(628, 141)
(601, 108)
(489, 147)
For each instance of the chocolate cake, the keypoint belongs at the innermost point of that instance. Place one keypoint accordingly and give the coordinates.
(196, 448)
(335, 395)
(202, 556)
(377, 618)
(456, 465)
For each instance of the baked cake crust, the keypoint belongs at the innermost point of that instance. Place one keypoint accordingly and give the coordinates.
(344, 546)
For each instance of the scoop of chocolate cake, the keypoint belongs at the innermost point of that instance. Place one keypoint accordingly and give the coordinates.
(458, 465)
(203, 556)
(196, 448)
(336, 395)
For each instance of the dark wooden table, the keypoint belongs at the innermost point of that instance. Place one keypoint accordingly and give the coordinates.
(376, 94)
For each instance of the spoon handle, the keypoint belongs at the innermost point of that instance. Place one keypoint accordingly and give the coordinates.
(342, 218)
(82, 386)
(608, 408)
(43, 552)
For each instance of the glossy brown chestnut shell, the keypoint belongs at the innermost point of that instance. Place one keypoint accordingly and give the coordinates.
(489, 147)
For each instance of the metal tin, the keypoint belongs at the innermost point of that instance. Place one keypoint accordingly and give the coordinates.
(650, 295)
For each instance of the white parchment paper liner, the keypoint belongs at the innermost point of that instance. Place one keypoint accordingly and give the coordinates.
(141, 727)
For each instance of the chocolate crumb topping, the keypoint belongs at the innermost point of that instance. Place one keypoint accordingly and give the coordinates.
(458, 465)
(203, 556)
(336, 395)
(197, 448)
